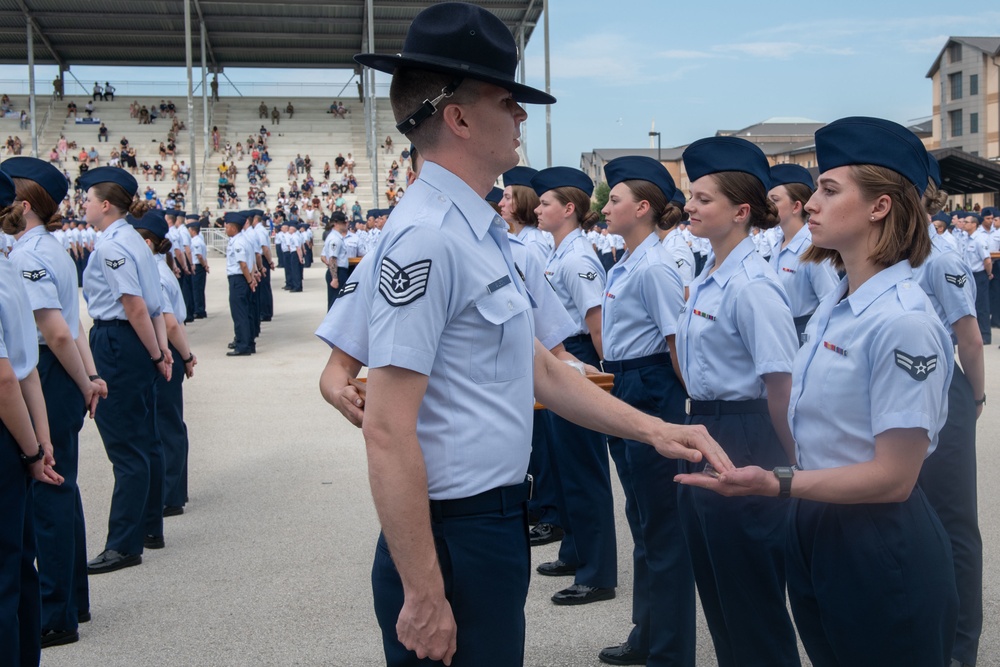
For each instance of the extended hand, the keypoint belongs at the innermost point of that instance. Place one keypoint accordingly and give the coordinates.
(748, 481)
(690, 443)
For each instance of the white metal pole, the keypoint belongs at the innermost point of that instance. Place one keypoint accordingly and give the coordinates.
(548, 89)
(31, 87)
(193, 176)
(373, 128)
(204, 91)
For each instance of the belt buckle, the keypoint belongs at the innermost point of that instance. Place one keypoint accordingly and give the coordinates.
(687, 406)
(603, 369)
(531, 486)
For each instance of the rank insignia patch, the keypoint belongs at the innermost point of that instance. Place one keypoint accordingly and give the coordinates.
(402, 285)
(34, 276)
(588, 276)
(115, 263)
(957, 281)
(917, 367)
(347, 289)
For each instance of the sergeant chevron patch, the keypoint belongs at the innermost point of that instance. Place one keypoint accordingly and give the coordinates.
(402, 285)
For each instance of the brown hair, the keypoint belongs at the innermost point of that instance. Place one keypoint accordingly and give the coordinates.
(801, 193)
(410, 87)
(903, 233)
(12, 217)
(933, 199)
(569, 194)
(525, 202)
(115, 195)
(161, 246)
(742, 188)
(666, 214)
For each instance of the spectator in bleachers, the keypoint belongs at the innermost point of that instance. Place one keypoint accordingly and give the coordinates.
(144, 116)
(114, 160)
(171, 147)
(175, 170)
(352, 183)
(388, 145)
(216, 138)
(149, 193)
(232, 172)
(102, 133)
(177, 126)
(63, 147)
(262, 110)
(183, 177)
(265, 157)
(128, 157)
(290, 109)
(339, 162)
(171, 108)
(57, 87)
(356, 211)
(215, 87)
(153, 115)
(98, 92)
(54, 155)
(163, 151)
(326, 171)
(82, 157)
(157, 171)
(349, 163)
(24, 119)
(89, 108)
(263, 132)
(147, 169)
(71, 109)
(255, 155)
(275, 116)
(133, 110)
(109, 91)
(307, 164)
(239, 151)
(92, 156)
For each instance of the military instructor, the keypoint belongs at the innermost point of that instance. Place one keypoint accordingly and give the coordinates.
(454, 366)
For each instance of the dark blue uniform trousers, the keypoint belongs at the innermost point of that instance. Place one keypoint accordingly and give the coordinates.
(995, 296)
(948, 479)
(126, 420)
(254, 313)
(983, 305)
(266, 296)
(872, 585)
(331, 293)
(239, 308)
(60, 529)
(198, 285)
(20, 603)
(173, 433)
(582, 476)
(187, 291)
(543, 498)
(295, 271)
(485, 563)
(663, 608)
(738, 551)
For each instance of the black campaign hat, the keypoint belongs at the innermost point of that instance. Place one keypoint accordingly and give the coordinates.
(39, 171)
(464, 40)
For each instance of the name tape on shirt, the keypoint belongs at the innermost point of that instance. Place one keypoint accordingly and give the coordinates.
(917, 367)
(588, 276)
(497, 284)
(114, 264)
(402, 285)
(958, 281)
(347, 289)
(34, 276)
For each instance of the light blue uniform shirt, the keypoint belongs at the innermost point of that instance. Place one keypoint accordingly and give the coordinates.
(577, 275)
(120, 264)
(335, 248)
(198, 248)
(263, 237)
(642, 300)
(553, 324)
(805, 283)
(173, 300)
(534, 240)
(680, 253)
(735, 328)
(876, 360)
(977, 251)
(236, 252)
(346, 324)
(49, 276)
(448, 303)
(947, 280)
(18, 342)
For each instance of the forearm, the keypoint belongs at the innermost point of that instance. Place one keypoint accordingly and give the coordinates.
(593, 322)
(31, 390)
(176, 335)
(138, 316)
(14, 411)
(340, 369)
(83, 346)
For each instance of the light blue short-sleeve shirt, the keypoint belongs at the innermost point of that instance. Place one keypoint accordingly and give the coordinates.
(18, 341)
(948, 282)
(805, 283)
(553, 324)
(680, 253)
(49, 276)
(173, 300)
(577, 275)
(120, 264)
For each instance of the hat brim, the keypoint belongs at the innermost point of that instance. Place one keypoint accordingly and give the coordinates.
(388, 64)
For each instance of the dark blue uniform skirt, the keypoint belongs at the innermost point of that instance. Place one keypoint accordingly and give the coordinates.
(738, 551)
(948, 479)
(663, 609)
(60, 529)
(872, 585)
(582, 476)
(173, 433)
(20, 603)
(126, 420)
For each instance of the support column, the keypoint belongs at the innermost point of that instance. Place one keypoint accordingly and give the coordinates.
(193, 176)
(524, 125)
(548, 82)
(373, 120)
(31, 87)
(204, 93)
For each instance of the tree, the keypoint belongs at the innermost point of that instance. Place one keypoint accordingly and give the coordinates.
(600, 198)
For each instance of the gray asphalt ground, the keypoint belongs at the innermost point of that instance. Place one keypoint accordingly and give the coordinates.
(270, 563)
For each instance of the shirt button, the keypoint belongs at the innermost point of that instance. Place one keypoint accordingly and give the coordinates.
(510, 306)
(442, 199)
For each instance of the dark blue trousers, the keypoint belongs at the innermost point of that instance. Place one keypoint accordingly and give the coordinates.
(20, 602)
(286, 266)
(60, 529)
(663, 608)
(198, 285)
(173, 433)
(995, 296)
(543, 498)
(583, 492)
(126, 420)
(295, 271)
(738, 551)
(266, 296)
(187, 291)
(485, 563)
(872, 585)
(239, 308)
(948, 479)
(983, 305)
(331, 293)
(254, 313)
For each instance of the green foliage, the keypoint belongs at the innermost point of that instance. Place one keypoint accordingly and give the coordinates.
(600, 199)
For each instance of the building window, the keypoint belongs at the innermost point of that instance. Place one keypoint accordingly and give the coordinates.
(955, 84)
(955, 120)
(954, 52)
(973, 84)
(973, 123)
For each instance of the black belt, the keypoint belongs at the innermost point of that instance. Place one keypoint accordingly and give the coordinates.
(500, 499)
(716, 408)
(100, 324)
(657, 359)
(579, 338)
(802, 320)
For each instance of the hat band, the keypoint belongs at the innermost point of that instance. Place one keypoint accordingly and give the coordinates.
(451, 63)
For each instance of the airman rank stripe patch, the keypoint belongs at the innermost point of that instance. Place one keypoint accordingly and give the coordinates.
(347, 289)
(834, 348)
(402, 285)
(704, 314)
(917, 367)
(958, 281)
(588, 276)
(115, 263)
(34, 276)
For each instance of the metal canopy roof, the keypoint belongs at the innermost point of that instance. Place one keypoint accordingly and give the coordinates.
(240, 33)
(964, 173)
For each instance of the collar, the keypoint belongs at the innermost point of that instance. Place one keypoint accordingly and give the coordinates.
(732, 265)
(115, 226)
(30, 234)
(801, 238)
(477, 212)
(568, 242)
(878, 285)
(632, 258)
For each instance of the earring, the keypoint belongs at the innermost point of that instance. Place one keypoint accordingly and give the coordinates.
(873, 218)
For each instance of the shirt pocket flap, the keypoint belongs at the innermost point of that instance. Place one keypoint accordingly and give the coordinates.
(501, 305)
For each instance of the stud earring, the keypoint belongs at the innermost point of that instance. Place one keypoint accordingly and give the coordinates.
(873, 218)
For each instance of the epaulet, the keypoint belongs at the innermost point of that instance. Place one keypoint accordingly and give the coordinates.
(910, 296)
(753, 268)
(429, 207)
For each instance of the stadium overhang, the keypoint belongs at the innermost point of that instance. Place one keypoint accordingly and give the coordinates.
(964, 173)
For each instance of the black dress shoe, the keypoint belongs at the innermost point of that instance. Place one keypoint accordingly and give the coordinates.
(580, 594)
(232, 346)
(200, 317)
(544, 533)
(110, 560)
(154, 542)
(556, 568)
(623, 654)
(173, 510)
(234, 353)
(83, 617)
(59, 637)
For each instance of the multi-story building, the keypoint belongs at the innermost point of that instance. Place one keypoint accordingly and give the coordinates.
(966, 90)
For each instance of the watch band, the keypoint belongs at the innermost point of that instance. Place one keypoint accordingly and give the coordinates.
(28, 460)
(784, 475)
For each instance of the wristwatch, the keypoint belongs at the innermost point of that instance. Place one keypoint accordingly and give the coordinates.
(784, 475)
(28, 460)
(981, 401)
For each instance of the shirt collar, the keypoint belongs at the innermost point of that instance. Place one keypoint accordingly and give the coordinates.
(116, 225)
(878, 285)
(801, 238)
(30, 234)
(477, 212)
(631, 258)
(567, 242)
(733, 263)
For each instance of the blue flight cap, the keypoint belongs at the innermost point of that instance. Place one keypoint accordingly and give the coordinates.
(864, 140)
(495, 196)
(338, 216)
(519, 176)
(152, 220)
(255, 212)
(384, 212)
(561, 177)
(7, 190)
(942, 217)
(193, 216)
(179, 214)
(989, 210)
(39, 171)
(679, 199)
(639, 168)
(934, 170)
(716, 154)
(372, 213)
(119, 177)
(234, 218)
(193, 224)
(975, 216)
(783, 174)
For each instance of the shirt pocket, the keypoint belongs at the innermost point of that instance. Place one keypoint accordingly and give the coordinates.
(501, 347)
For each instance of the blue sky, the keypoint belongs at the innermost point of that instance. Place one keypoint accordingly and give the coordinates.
(698, 67)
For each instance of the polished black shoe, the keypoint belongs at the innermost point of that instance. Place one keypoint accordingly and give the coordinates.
(200, 317)
(59, 637)
(556, 568)
(234, 353)
(173, 510)
(83, 617)
(189, 320)
(580, 594)
(154, 542)
(623, 654)
(232, 346)
(544, 533)
(110, 560)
